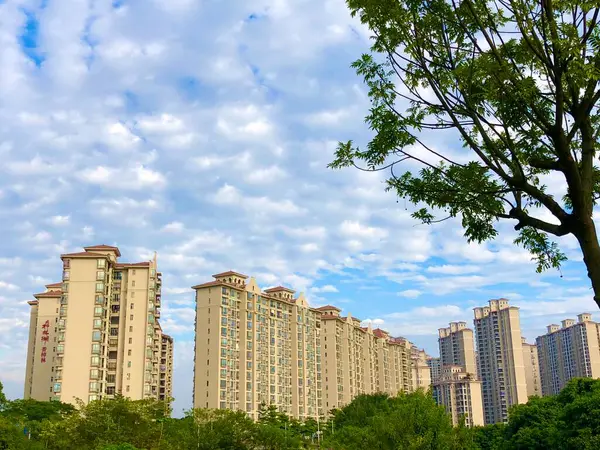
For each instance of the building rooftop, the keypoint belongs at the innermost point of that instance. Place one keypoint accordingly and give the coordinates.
(328, 308)
(83, 255)
(230, 273)
(104, 247)
(279, 288)
(136, 264)
(49, 294)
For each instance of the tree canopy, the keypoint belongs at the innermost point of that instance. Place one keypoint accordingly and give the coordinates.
(570, 420)
(515, 83)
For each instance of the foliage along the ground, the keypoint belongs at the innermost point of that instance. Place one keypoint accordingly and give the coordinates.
(570, 420)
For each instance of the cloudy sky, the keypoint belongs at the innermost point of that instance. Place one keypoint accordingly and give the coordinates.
(201, 129)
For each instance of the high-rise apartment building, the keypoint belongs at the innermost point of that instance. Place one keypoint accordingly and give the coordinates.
(532, 369)
(255, 347)
(460, 393)
(435, 368)
(457, 387)
(500, 358)
(96, 334)
(457, 347)
(258, 347)
(361, 360)
(421, 372)
(568, 352)
(166, 368)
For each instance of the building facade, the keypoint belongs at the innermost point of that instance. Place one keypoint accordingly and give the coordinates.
(570, 351)
(457, 347)
(460, 394)
(500, 359)
(96, 334)
(457, 387)
(257, 347)
(532, 369)
(166, 368)
(421, 372)
(435, 368)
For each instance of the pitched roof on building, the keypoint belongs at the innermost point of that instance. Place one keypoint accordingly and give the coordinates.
(326, 317)
(83, 255)
(218, 283)
(54, 285)
(104, 247)
(380, 333)
(135, 264)
(328, 308)
(279, 288)
(49, 294)
(230, 272)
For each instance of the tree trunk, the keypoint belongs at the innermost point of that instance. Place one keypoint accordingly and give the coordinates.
(588, 241)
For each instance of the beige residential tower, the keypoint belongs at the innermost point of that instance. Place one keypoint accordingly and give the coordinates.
(256, 347)
(570, 351)
(456, 387)
(500, 359)
(96, 334)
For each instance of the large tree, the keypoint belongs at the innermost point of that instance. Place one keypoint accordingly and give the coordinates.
(516, 81)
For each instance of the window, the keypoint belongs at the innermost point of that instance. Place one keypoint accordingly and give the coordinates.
(96, 336)
(131, 340)
(97, 323)
(101, 264)
(95, 348)
(127, 388)
(99, 299)
(129, 352)
(132, 283)
(66, 275)
(92, 398)
(99, 287)
(95, 360)
(94, 374)
(131, 317)
(128, 363)
(133, 272)
(94, 386)
(131, 306)
(133, 293)
(98, 310)
(128, 376)
(60, 348)
(130, 329)
(100, 275)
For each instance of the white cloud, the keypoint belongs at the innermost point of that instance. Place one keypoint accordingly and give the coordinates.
(230, 195)
(8, 286)
(173, 227)
(324, 289)
(410, 293)
(35, 166)
(448, 269)
(356, 229)
(134, 178)
(270, 174)
(60, 220)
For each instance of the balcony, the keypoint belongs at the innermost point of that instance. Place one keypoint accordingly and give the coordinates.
(111, 365)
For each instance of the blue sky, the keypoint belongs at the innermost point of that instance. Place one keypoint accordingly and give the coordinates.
(201, 130)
